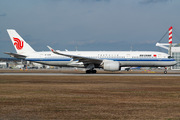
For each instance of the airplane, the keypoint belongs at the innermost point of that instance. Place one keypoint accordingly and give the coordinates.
(107, 60)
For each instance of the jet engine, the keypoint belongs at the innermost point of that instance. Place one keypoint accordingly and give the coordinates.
(109, 65)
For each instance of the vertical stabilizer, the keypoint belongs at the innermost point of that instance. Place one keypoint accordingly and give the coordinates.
(19, 44)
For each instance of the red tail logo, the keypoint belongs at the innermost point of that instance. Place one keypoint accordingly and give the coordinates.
(18, 43)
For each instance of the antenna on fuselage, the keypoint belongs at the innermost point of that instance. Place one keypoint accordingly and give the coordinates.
(76, 48)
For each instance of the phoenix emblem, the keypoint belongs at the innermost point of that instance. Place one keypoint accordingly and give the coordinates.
(18, 43)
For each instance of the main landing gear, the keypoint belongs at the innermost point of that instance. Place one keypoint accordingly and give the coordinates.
(91, 71)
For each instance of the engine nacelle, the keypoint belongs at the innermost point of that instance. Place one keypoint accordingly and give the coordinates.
(109, 65)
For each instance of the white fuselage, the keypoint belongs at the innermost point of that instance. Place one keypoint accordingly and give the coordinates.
(125, 58)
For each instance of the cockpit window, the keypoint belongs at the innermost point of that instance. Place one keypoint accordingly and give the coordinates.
(170, 57)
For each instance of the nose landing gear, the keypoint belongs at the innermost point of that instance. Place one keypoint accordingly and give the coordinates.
(165, 72)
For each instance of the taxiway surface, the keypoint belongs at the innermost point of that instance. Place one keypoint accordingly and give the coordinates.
(83, 74)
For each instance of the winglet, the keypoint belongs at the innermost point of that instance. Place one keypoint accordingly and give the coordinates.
(51, 49)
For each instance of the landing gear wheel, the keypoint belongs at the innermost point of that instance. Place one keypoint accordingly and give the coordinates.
(88, 71)
(94, 71)
(165, 72)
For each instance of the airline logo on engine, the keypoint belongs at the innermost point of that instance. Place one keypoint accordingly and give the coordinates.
(18, 43)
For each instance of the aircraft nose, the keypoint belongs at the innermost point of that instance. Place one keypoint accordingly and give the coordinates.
(175, 62)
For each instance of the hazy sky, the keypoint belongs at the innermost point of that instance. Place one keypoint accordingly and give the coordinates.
(101, 25)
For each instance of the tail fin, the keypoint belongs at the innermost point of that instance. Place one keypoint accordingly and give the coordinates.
(19, 44)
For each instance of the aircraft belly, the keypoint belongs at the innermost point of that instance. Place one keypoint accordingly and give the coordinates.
(136, 63)
(61, 63)
(54, 63)
(146, 63)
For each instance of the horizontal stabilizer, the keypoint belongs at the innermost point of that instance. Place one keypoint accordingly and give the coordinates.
(15, 55)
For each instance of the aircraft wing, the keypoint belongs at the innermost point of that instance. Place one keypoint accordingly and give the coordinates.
(16, 55)
(85, 60)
